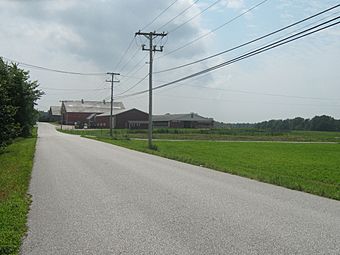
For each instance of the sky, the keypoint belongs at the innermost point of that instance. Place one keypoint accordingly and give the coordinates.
(301, 78)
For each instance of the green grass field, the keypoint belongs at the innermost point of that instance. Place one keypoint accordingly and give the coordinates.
(16, 165)
(219, 134)
(312, 168)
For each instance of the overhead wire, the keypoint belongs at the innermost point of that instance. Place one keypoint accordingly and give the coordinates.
(172, 19)
(258, 51)
(125, 52)
(247, 101)
(135, 85)
(286, 40)
(214, 30)
(127, 62)
(131, 42)
(53, 70)
(193, 17)
(72, 89)
(249, 42)
(265, 94)
(160, 14)
(133, 70)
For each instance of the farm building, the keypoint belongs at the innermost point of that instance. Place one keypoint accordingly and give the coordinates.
(54, 113)
(131, 118)
(79, 111)
(188, 120)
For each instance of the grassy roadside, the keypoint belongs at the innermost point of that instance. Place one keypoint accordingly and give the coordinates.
(312, 168)
(16, 165)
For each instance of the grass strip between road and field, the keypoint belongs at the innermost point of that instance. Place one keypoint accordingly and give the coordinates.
(312, 168)
(16, 163)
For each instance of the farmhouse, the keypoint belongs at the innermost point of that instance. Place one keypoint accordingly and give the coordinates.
(54, 113)
(187, 120)
(124, 118)
(79, 111)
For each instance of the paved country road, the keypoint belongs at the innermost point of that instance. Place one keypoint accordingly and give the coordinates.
(94, 198)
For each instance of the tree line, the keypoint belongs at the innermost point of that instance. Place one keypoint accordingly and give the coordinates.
(318, 123)
(18, 96)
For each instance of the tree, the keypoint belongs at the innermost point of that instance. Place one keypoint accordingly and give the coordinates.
(23, 96)
(297, 123)
(8, 128)
(323, 123)
(318, 123)
(18, 95)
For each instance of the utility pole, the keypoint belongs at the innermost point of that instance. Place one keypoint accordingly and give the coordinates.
(61, 115)
(152, 48)
(111, 113)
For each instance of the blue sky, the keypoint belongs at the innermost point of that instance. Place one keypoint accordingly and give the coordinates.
(299, 79)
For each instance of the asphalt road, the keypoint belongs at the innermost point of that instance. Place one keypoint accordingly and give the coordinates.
(94, 198)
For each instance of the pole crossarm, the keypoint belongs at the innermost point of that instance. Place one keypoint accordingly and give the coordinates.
(151, 34)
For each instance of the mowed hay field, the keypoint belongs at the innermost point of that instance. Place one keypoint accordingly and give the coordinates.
(308, 167)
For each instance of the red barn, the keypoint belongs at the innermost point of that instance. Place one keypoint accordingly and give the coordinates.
(78, 111)
(131, 118)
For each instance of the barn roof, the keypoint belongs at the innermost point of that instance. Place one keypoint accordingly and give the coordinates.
(55, 110)
(181, 117)
(116, 112)
(91, 106)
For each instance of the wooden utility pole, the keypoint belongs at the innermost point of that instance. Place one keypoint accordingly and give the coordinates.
(111, 112)
(152, 48)
(61, 115)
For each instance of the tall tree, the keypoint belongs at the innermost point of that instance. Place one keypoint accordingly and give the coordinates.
(23, 96)
(18, 95)
(8, 127)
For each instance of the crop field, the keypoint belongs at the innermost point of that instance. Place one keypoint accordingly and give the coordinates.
(218, 134)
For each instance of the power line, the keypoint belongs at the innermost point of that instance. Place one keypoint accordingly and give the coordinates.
(101, 88)
(51, 69)
(215, 29)
(264, 94)
(125, 52)
(258, 51)
(135, 85)
(249, 54)
(72, 89)
(195, 16)
(162, 12)
(178, 15)
(131, 42)
(132, 57)
(247, 101)
(249, 42)
(133, 69)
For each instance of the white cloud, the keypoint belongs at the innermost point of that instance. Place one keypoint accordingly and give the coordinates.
(90, 36)
(233, 4)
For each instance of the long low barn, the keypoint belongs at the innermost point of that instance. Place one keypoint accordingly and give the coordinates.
(131, 118)
(187, 120)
